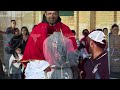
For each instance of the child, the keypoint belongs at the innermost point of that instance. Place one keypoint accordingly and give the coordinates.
(15, 64)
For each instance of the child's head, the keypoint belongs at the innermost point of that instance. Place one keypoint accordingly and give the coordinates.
(18, 50)
(16, 32)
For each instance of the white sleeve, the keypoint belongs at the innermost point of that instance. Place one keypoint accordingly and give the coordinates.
(10, 61)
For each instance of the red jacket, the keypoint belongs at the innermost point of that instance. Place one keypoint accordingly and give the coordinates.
(34, 46)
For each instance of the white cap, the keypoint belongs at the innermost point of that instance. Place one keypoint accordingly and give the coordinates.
(97, 36)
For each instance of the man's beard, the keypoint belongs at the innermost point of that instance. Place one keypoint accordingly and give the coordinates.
(52, 21)
(90, 50)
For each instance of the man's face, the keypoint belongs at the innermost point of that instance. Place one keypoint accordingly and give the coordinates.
(105, 31)
(13, 24)
(115, 31)
(51, 16)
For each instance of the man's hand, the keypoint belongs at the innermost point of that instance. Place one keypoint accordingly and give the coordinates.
(48, 69)
(18, 61)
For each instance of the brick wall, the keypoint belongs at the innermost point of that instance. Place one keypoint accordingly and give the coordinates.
(26, 20)
(84, 21)
(68, 20)
(102, 19)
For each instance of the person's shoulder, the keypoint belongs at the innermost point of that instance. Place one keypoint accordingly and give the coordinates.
(8, 28)
(64, 25)
(82, 39)
(41, 24)
(39, 27)
(104, 57)
(87, 62)
(11, 57)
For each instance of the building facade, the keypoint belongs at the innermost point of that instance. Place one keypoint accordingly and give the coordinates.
(77, 20)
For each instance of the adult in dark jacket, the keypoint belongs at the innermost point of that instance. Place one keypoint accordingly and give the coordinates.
(97, 66)
(15, 41)
(24, 38)
(11, 29)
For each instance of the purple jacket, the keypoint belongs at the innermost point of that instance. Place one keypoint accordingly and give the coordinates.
(100, 65)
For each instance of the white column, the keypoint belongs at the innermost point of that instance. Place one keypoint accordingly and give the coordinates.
(92, 20)
(34, 17)
(13, 14)
(115, 16)
(76, 22)
(41, 15)
(21, 18)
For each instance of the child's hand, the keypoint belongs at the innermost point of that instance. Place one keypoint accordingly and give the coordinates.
(18, 61)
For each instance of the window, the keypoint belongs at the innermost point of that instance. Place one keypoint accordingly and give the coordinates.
(66, 13)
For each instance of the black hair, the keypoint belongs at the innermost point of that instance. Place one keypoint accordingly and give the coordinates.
(99, 30)
(45, 20)
(24, 27)
(114, 25)
(84, 32)
(13, 20)
(73, 31)
(16, 29)
(15, 53)
(56, 11)
(18, 48)
(104, 29)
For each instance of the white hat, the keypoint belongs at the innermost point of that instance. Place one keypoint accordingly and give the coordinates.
(97, 36)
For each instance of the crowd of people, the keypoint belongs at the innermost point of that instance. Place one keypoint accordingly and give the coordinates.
(52, 51)
(15, 47)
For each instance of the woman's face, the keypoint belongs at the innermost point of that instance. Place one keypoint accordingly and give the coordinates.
(24, 32)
